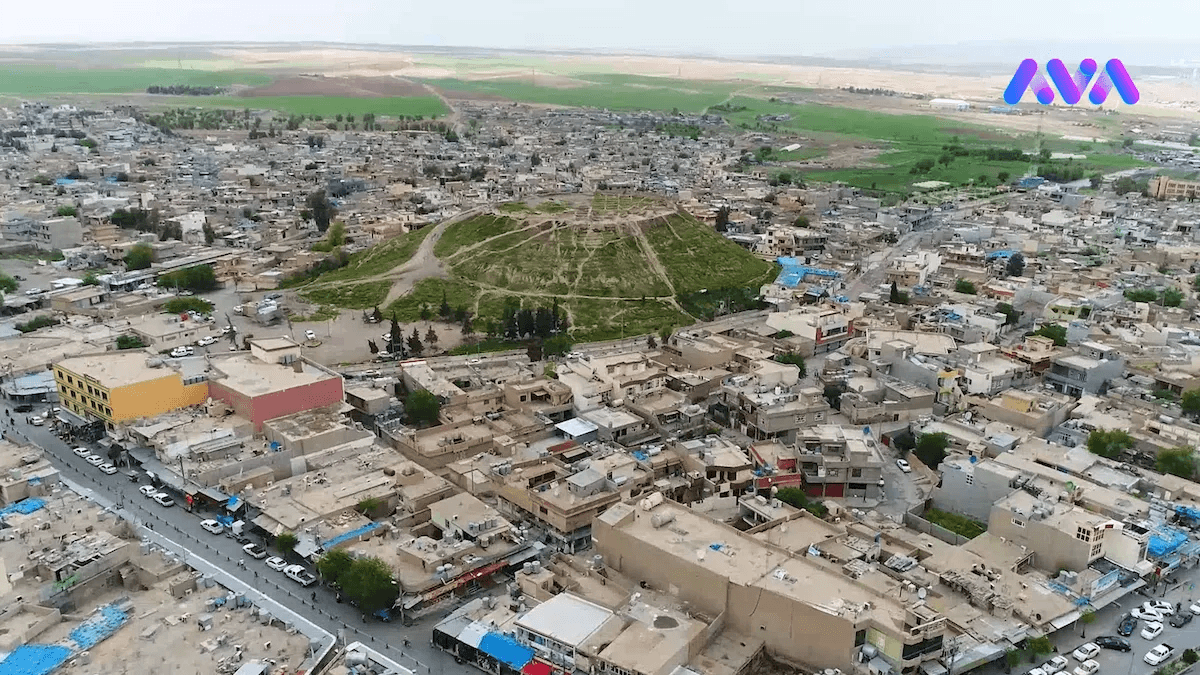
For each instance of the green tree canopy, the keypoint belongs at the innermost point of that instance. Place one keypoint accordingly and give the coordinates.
(1190, 402)
(369, 582)
(1179, 461)
(129, 342)
(334, 564)
(198, 278)
(422, 406)
(964, 286)
(1109, 444)
(1054, 332)
(336, 236)
(286, 542)
(139, 257)
(931, 449)
(7, 283)
(1015, 266)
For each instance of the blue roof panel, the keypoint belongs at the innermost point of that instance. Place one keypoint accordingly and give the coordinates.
(506, 650)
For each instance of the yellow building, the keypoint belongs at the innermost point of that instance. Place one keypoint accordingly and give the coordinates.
(121, 386)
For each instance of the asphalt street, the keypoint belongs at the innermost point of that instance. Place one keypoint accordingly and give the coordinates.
(224, 552)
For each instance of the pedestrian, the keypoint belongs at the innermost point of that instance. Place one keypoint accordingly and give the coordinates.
(314, 596)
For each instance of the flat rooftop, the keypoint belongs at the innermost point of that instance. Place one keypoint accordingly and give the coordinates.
(119, 369)
(251, 377)
(566, 618)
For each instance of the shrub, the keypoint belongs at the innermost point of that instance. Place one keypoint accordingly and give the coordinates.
(181, 305)
(129, 342)
(36, 323)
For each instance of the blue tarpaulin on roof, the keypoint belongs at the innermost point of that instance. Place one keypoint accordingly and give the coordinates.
(793, 272)
(506, 650)
(23, 507)
(34, 659)
(97, 629)
(1165, 540)
(346, 536)
(999, 254)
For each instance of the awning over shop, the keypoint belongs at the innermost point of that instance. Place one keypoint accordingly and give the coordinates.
(536, 668)
(506, 650)
(1066, 619)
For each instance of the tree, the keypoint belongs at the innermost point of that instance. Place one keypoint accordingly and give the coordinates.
(322, 211)
(1012, 316)
(431, 338)
(1172, 297)
(210, 235)
(286, 542)
(425, 313)
(336, 236)
(139, 257)
(801, 221)
(931, 449)
(1054, 332)
(414, 343)
(535, 159)
(1179, 461)
(964, 286)
(722, 223)
(1086, 618)
(1109, 444)
(664, 334)
(369, 583)
(129, 342)
(422, 406)
(444, 309)
(651, 343)
(334, 565)
(1015, 266)
(793, 359)
(376, 315)
(467, 327)
(1002, 176)
(197, 278)
(367, 505)
(9, 284)
(894, 295)
(1012, 658)
(1040, 645)
(1190, 402)
(1141, 295)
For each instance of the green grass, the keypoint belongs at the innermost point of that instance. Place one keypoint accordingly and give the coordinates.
(329, 106)
(323, 313)
(606, 203)
(350, 296)
(696, 257)
(960, 525)
(380, 258)
(473, 230)
(486, 345)
(22, 79)
(598, 90)
(596, 320)
(429, 292)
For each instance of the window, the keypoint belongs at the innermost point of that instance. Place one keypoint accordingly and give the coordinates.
(856, 473)
(1083, 534)
(860, 638)
(1018, 523)
(1097, 549)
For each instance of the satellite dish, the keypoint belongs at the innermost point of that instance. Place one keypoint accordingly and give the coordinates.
(921, 592)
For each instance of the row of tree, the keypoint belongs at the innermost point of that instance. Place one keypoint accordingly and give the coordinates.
(184, 90)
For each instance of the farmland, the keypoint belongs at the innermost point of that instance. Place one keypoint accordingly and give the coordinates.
(33, 80)
(615, 92)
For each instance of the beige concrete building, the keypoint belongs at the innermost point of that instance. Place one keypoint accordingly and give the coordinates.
(1165, 187)
(802, 611)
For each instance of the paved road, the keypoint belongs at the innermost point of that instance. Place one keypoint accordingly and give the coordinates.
(876, 264)
(178, 524)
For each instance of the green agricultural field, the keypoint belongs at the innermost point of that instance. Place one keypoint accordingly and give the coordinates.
(31, 80)
(351, 296)
(329, 106)
(696, 257)
(615, 92)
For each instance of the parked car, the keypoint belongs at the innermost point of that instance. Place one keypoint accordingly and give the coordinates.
(225, 330)
(164, 499)
(179, 352)
(212, 526)
(276, 563)
(904, 465)
(255, 551)
(108, 469)
(1113, 642)
(206, 341)
(1088, 667)
(1161, 606)
(298, 574)
(273, 296)
(33, 291)
(148, 490)
(1037, 671)
(1144, 614)
(37, 420)
(1152, 630)
(23, 407)
(1085, 651)
(1180, 620)
(1159, 654)
(310, 335)
(1056, 665)
(95, 460)
(1127, 625)
(81, 452)
(370, 373)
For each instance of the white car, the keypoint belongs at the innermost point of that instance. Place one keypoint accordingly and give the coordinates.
(95, 460)
(1159, 654)
(226, 329)
(1141, 612)
(1086, 651)
(255, 551)
(164, 499)
(1161, 606)
(276, 563)
(206, 341)
(108, 469)
(904, 465)
(1152, 630)
(473, 362)
(81, 452)
(180, 352)
(212, 526)
(148, 490)
(1037, 671)
(1195, 608)
(37, 420)
(310, 335)
(33, 291)
(1088, 667)
(298, 574)
(1056, 665)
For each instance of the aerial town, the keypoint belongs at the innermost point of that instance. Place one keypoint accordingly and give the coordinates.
(279, 398)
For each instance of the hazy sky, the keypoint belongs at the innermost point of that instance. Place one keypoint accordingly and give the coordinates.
(733, 27)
